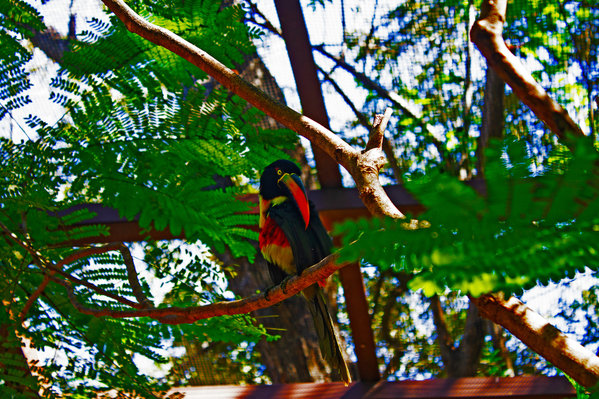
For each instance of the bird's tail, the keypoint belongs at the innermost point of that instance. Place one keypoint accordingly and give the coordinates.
(327, 336)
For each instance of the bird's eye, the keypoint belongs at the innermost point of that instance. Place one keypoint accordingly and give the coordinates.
(279, 172)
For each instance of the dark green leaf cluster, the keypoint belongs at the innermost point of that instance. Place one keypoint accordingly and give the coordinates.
(149, 134)
(17, 20)
(527, 230)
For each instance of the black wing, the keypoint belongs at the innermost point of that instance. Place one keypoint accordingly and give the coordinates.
(309, 246)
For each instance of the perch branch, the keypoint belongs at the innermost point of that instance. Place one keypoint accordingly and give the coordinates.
(178, 315)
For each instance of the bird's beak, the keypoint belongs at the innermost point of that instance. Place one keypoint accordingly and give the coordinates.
(298, 192)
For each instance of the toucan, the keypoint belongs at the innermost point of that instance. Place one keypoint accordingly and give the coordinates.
(293, 238)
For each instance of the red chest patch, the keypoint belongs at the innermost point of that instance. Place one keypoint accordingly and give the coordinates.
(272, 234)
(276, 249)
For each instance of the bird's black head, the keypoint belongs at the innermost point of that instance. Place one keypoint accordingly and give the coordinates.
(281, 179)
(270, 186)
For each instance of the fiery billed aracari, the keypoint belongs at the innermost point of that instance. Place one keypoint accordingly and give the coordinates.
(292, 238)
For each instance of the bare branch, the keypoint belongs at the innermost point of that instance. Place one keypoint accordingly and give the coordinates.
(539, 335)
(395, 98)
(387, 149)
(486, 33)
(368, 165)
(254, 10)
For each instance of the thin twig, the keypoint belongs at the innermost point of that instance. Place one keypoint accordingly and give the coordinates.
(392, 96)
(92, 287)
(378, 130)
(35, 254)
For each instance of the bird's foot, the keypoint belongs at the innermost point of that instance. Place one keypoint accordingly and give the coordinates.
(267, 292)
(284, 284)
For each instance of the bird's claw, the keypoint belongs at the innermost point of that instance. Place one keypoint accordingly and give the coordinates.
(267, 292)
(284, 284)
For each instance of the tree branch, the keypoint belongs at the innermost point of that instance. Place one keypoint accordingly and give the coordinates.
(35, 254)
(47, 265)
(378, 130)
(69, 259)
(446, 341)
(486, 33)
(363, 167)
(395, 98)
(178, 315)
(539, 335)
(91, 286)
(387, 149)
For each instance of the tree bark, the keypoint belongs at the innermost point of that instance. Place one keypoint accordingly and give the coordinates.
(493, 116)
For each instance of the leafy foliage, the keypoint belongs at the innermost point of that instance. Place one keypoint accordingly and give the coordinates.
(479, 244)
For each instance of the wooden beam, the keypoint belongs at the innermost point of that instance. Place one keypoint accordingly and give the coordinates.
(524, 387)
(334, 205)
